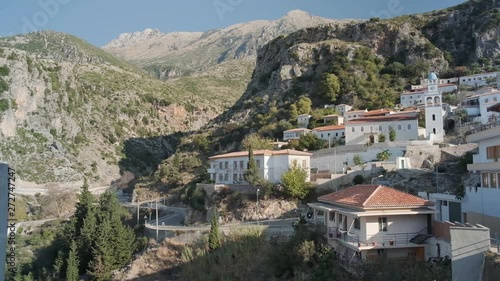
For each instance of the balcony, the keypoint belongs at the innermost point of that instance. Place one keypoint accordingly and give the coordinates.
(394, 240)
(482, 132)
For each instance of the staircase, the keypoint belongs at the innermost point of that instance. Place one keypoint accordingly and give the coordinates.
(420, 238)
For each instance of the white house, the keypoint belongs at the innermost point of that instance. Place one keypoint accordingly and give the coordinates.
(294, 134)
(335, 118)
(330, 133)
(448, 207)
(477, 80)
(368, 129)
(477, 105)
(410, 99)
(353, 114)
(303, 120)
(481, 202)
(342, 109)
(368, 222)
(229, 168)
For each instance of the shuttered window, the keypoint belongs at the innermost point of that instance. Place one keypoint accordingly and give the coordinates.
(493, 152)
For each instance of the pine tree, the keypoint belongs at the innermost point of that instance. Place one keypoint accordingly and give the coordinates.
(213, 238)
(252, 172)
(72, 270)
(85, 202)
(86, 239)
(392, 134)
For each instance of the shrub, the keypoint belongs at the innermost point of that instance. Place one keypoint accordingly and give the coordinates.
(357, 160)
(358, 179)
(4, 70)
(3, 86)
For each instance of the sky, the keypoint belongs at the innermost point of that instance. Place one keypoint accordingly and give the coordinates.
(100, 21)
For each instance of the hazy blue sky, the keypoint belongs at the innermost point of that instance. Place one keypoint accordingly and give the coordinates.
(99, 21)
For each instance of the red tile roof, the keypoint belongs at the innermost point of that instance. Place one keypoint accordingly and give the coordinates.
(374, 196)
(389, 118)
(376, 112)
(262, 152)
(329, 128)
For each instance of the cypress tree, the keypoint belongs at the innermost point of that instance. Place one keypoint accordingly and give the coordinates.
(213, 238)
(87, 239)
(252, 172)
(85, 202)
(72, 270)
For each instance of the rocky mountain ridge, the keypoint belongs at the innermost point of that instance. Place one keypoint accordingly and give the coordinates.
(182, 53)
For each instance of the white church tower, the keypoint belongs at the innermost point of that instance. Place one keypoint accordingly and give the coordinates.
(434, 126)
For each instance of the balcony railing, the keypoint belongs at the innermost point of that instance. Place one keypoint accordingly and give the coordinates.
(485, 127)
(379, 240)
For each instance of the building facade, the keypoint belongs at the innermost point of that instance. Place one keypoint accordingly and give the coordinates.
(353, 114)
(434, 124)
(336, 119)
(477, 105)
(295, 134)
(303, 120)
(368, 222)
(369, 129)
(481, 202)
(230, 168)
(330, 133)
(478, 80)
(342, 109)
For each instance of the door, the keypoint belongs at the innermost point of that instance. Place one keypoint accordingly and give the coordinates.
(455, 211)
(344, 223)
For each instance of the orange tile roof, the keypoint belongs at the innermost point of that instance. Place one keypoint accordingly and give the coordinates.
(374, 196)
(376, 112)
(297, 130)
(329, 128)
(262, 152)
(396, 117)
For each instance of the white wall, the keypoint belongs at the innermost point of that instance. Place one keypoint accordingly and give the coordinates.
(330, 134)
(395, 224)
(483, 201)
(485, 102)
(362, 131)
(477, 80)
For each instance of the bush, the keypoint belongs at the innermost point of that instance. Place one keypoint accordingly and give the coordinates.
(381, 138)
(4, 87)
(4, 70)
(358, 179)
(357, 160)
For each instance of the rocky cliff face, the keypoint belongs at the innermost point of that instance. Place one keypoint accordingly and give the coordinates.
(68, 110)
(178, 54)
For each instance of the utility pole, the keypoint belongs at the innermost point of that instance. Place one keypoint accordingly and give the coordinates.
(437, 178)
(157, 220)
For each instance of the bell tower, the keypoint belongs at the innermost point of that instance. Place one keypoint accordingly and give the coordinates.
(434, 126)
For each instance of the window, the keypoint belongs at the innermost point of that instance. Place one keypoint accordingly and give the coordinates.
(220, 165)
(336, 134)
(331, 216)
(340, 218)
(353, 129)
(220, 177)
(362, 129)
(226, 165)
(495, 99)
(486, 100)
(434, 131)
(343, 133)
(493, 180)
(433, 117)
(321, 135)
(226, 177)
(399, 127)
(382, 224)
(357, 224)
(485, 179)
(380, 128)
(258, 163)
(235, 177)
(444, 203)
(304, 163)
(235, 165)
(409, 126)
(242, 164)
(493, 153)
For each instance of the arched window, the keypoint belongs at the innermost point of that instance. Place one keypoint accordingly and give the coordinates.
(399, 127)
(380, 128)
(409, 126)
(353, 129)
(437, 100)
(429, 100)
(434, 131)
(362, 129)
(433, 117)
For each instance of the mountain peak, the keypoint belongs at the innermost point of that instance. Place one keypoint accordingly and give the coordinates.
(126, 39)
(297, 13)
